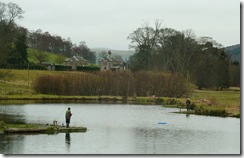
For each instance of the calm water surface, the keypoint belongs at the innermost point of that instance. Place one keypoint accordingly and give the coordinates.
(120, 129)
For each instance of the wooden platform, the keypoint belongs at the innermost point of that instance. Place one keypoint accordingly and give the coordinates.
(46, 129)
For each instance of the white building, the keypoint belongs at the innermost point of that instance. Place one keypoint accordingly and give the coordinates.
(75, 61)
(110, 63)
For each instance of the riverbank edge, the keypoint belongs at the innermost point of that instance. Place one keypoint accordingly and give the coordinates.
(54, 97)
(164, 101)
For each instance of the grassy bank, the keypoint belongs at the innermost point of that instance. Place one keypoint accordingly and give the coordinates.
(17, 85)
(228, 100)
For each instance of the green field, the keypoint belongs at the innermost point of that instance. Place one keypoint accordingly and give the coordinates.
(17, 85)
(51, 57)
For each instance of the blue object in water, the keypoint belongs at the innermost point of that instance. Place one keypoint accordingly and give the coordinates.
(162, 123)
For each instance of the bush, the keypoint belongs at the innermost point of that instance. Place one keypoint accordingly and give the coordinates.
(2, 124)
(192, 106)
(31, 66)
(63, 68)
(36, 67)
(171, 102)
(160, 100)
(88, 68)
(210, 111)
(112, 83)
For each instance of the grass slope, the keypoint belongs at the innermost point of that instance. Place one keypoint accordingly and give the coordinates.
(53, 58)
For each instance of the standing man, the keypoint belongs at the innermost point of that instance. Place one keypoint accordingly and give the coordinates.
(68, 115)
(188, 103)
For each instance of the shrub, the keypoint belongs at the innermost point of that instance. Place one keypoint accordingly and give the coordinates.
(192, 106)
(160, 100)
(211, 111)
(171, 102)
(2, 124)
(88, 68)
(112, 83)
(63, 68)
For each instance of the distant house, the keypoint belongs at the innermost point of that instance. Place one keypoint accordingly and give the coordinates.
(76, 61)
(48, 65)
(110, 63)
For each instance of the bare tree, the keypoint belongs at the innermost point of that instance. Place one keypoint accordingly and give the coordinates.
(144, 40)
(145, 35)
(10, 12)
(2, 11)
(118, 57)
(39, 55)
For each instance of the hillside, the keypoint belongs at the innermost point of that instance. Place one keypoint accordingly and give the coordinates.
(234, 51)
(125, 54)
(51, 57)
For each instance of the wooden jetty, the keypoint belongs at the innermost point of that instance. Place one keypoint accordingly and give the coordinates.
(45, 129)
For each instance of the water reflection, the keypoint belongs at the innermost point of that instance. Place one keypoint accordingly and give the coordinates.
(148, 140)
(67, 140)
(15, 119)
(11, 143)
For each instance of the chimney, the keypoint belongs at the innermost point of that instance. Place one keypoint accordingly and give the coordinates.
(109, 53)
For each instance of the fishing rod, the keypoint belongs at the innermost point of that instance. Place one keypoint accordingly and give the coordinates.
(56, 118)
(61, 113)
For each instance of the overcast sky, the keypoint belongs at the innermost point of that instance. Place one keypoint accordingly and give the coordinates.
(107, 23)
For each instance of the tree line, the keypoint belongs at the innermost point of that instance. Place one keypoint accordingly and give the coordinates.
(201, 61)
(12, 37)
(14, 41)
(45, 42)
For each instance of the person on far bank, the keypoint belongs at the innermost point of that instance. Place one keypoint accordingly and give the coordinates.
(188, 104)
(68, 115)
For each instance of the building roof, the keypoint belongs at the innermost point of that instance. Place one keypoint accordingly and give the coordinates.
(46, 63)
(76, 58)
(108, 58)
